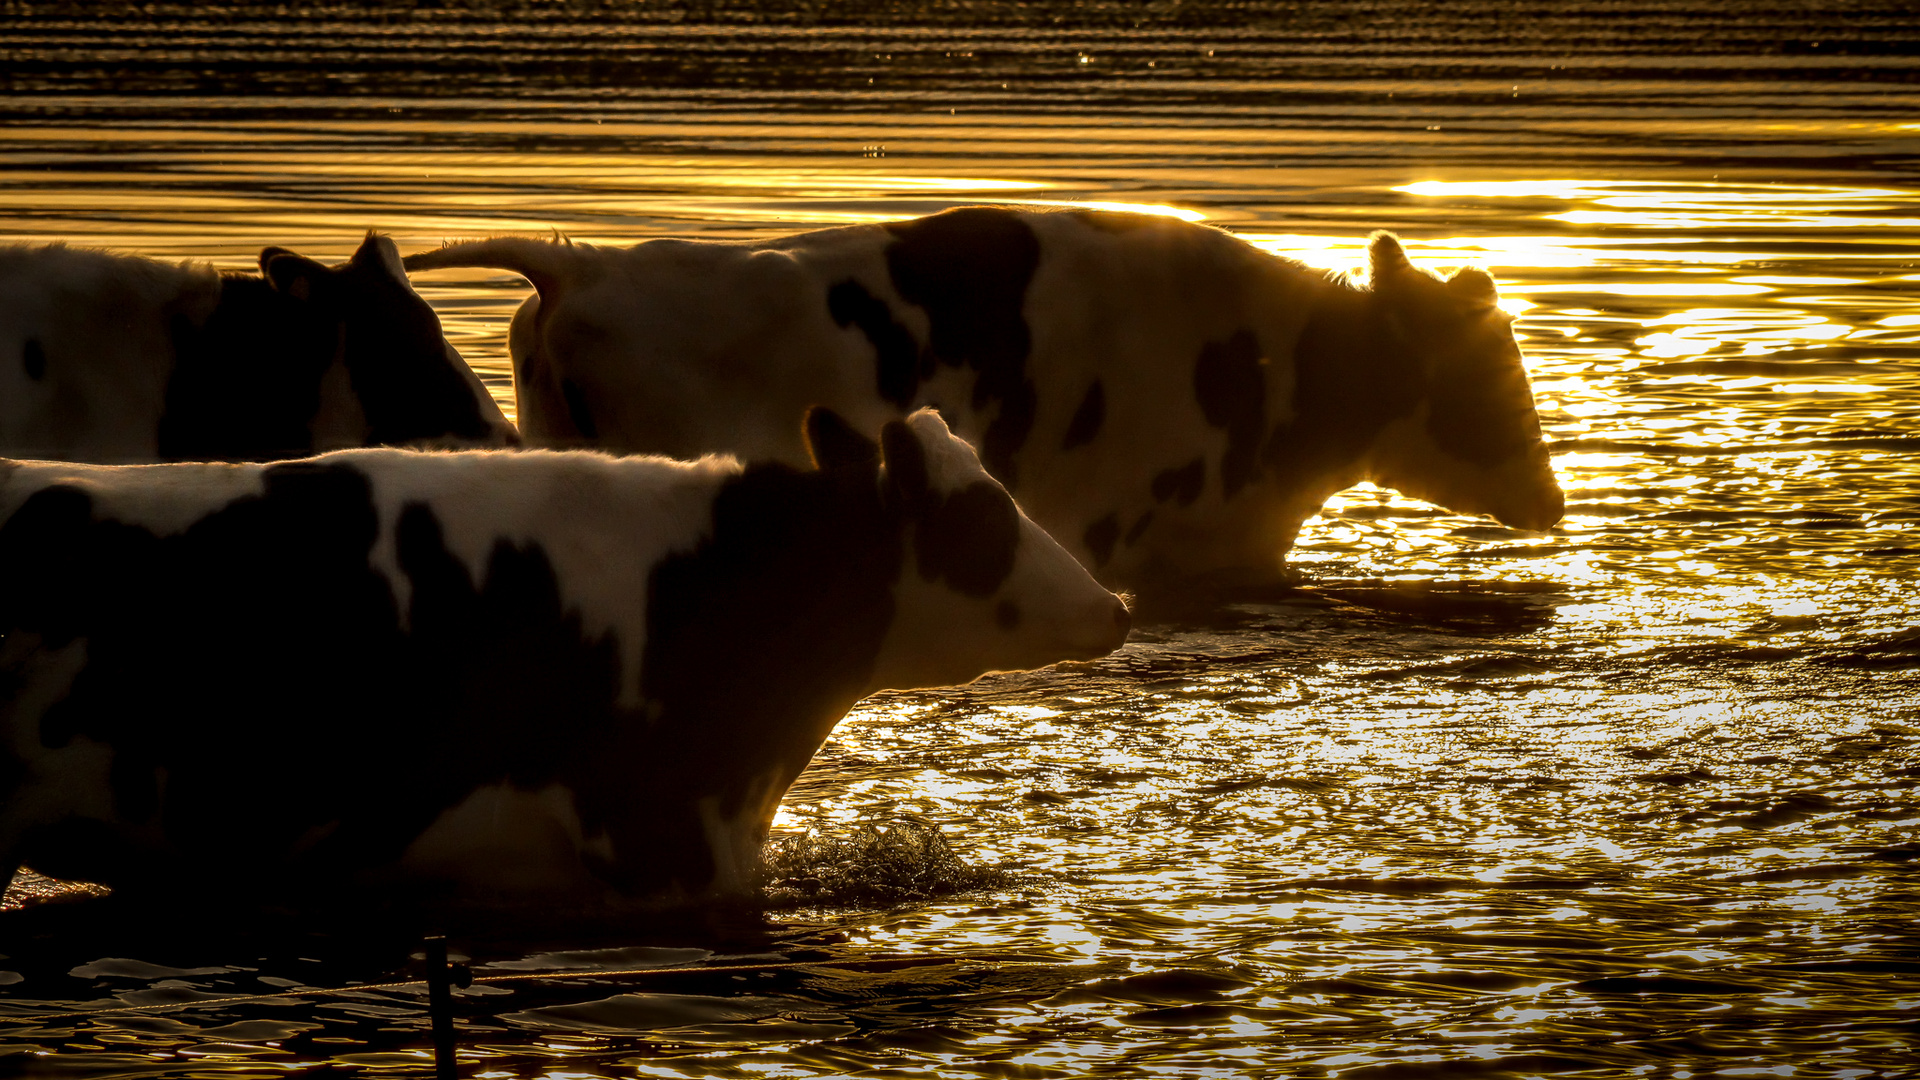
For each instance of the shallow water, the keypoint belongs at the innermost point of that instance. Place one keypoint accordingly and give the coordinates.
(1633, 798)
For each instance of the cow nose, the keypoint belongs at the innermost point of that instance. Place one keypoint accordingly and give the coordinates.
(1122, 623)
(1540, 514)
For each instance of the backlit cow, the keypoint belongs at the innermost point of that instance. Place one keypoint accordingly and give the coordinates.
(562, 680)
(119, 359)
(1166, 399)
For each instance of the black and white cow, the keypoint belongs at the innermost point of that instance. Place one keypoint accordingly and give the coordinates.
(511, 679)
(113, 358)
(1166, 399)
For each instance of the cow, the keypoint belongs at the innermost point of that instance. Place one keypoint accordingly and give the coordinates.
(498, 681)
(117, 359)
(1169, 401)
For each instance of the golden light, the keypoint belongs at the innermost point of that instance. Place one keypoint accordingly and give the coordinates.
(1155, 209)
(1650, 288)
(1648, 192)
(1703, 220)
(1764, 279)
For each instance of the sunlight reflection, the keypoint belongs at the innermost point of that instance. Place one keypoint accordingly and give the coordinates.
(1450, 733)
(1707, 220)
(1609, 192)
(1348, 254)
(1638, 288)
(1776, 279)
(1156, 209)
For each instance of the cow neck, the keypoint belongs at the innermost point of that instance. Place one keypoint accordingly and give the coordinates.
(1352, 377)
(245, 383)
(758, 641)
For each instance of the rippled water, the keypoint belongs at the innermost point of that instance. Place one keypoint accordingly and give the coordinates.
(1634, 798)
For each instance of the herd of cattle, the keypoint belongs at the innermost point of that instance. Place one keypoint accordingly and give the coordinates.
(283, 606)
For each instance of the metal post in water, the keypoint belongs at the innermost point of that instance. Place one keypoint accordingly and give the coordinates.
(440, 982)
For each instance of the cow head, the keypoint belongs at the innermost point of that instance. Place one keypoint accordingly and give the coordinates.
(403, 382)
(1473, 442)
(982, 587)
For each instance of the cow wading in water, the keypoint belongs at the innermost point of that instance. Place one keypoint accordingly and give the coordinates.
(564, 683)
(112, 358)
(1169, 401)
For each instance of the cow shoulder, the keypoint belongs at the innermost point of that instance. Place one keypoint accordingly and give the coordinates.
(597, 524)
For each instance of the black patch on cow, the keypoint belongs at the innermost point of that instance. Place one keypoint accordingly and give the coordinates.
(33, 357)
(968, 539)
(257, 661)
(245, 384)
(579, 411)
(1009, 430)
(897, 362)
(907, 479)
(1181, 484)
(1350, 381)
(275, 591)
(1006, 615)
(1100, 538)
(833, 443)
(1087, 418)
(1230, 383)
(46, 544)
(491, 655)
(970, 269)
(1138, 530)
(758, 641)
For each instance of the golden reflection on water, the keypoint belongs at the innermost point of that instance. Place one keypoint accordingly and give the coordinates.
(1402, 819)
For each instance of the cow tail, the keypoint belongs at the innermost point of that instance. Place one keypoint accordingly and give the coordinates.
(544, 263)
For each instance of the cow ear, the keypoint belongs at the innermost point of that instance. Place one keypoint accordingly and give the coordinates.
(377, 252)
(295, 275)
(1385, 258)
(906, 463)
(1473, 286)
(834, 444)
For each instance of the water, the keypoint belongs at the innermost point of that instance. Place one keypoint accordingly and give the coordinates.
(1635, 798)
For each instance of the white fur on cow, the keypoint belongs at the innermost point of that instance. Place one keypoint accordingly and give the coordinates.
(1168, 400)
(560, 679)
(117, 359)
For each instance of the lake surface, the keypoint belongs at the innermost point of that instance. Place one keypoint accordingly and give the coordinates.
(1633, 798)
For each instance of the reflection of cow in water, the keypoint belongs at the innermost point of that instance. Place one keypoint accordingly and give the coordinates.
(1164, 398)
(118, 359)
(562, 680)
